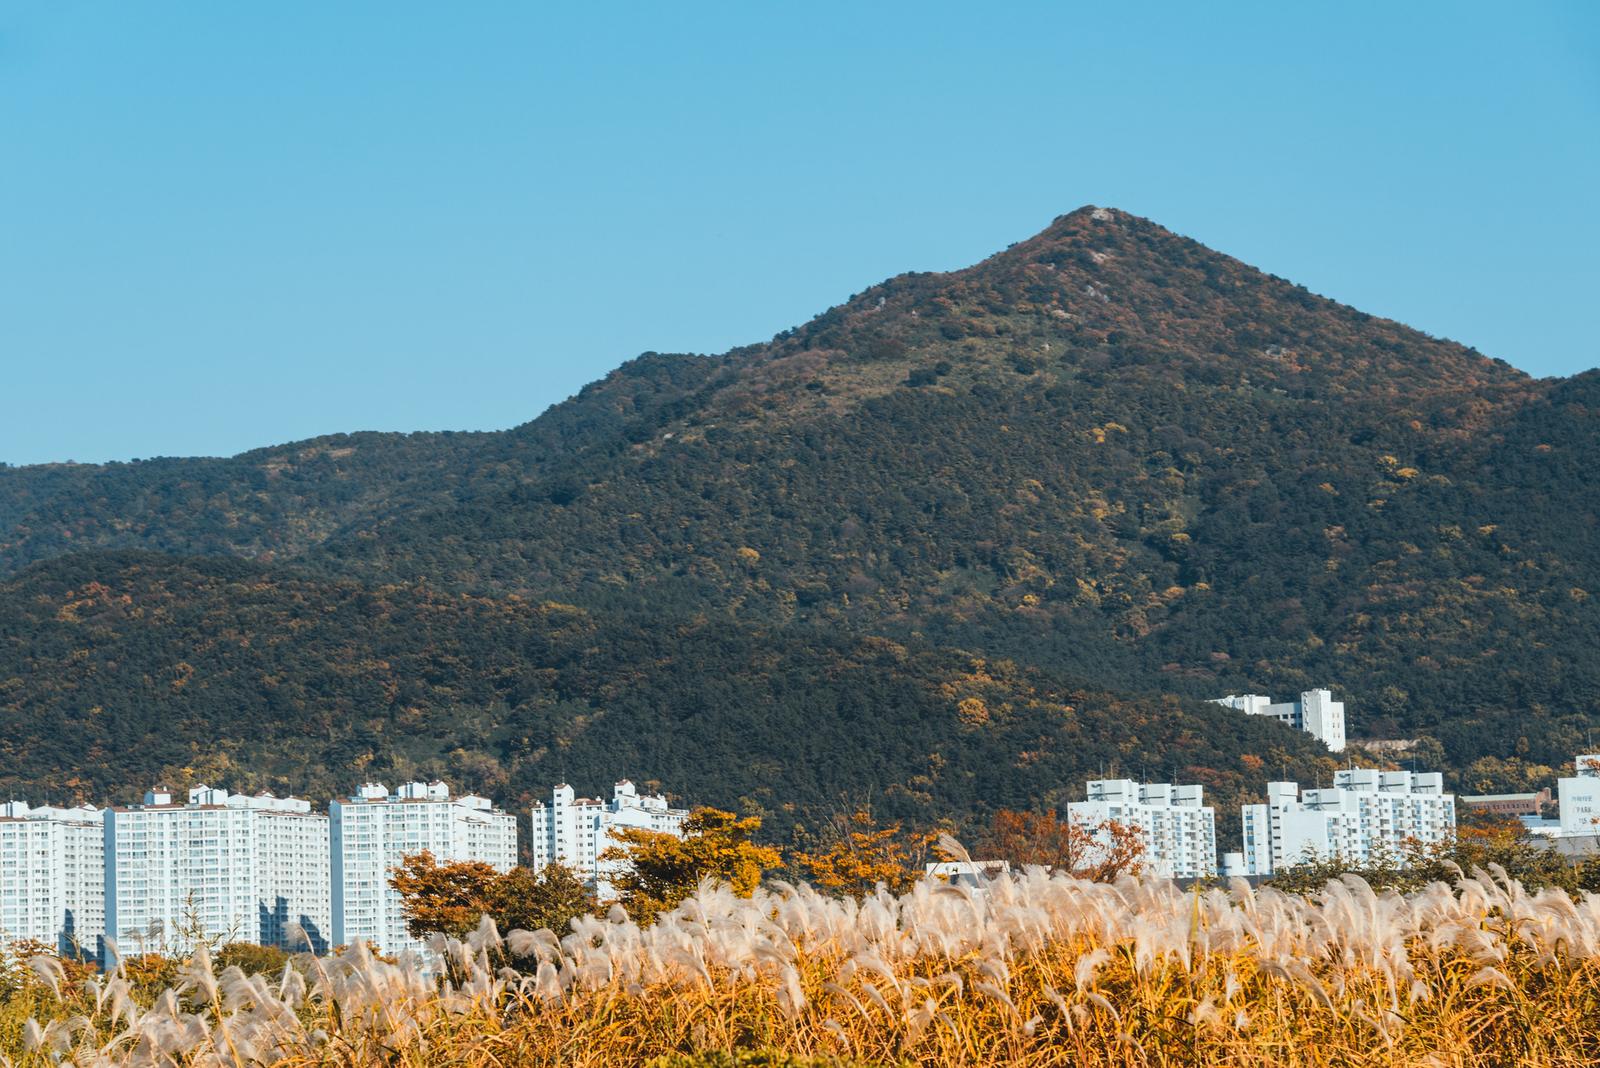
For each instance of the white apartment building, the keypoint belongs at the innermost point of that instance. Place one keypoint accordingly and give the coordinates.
(373, 831)
(575, 831)
(293, 874)
(1179, 831)
(1316, 713)
(1580, 797)
(52, 877)
(1365, 812)
(219, 866)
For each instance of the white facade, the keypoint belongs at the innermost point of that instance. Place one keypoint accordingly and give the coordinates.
(1180, 833)
(1580, 797)
(575, 831)
(293, 877)
(1316, 713)
(374, 831)
(1365, 812)
(219, 867)
(52, 877)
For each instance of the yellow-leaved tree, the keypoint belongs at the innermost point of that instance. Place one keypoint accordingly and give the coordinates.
(862, 855)
(661, 870)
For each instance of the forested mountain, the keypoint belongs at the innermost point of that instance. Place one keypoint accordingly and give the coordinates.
(133, 665)
(1107, 455)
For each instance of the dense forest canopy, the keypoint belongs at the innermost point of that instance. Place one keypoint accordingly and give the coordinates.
(1107, 470)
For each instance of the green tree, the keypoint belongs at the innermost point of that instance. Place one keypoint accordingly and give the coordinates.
(548, 899)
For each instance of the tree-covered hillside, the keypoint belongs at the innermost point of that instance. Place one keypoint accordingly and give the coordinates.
(127, 667)
(1108, 453)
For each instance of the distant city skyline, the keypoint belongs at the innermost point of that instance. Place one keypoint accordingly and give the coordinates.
(232, 227)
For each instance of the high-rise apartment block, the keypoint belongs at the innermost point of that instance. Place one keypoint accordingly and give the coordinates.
(373, 831)
(219, 866)
(575, 831)
(292, 871)
(1178, 829)
(52, 877)
(1316, 713)
(1366, 812)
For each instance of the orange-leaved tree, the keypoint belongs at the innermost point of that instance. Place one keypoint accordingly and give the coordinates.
(660, 870)
(1099, 851)
(452, 899)
(443, 898)
(863, 855)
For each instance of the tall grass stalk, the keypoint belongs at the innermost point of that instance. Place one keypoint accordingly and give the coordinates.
(1035, 970)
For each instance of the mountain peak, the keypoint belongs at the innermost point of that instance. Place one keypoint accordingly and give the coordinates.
(1090, 213)
(1103, 289)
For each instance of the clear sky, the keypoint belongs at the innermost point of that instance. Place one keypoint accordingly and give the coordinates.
(232, 225)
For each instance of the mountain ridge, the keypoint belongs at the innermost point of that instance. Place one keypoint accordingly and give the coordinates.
(1106, 451)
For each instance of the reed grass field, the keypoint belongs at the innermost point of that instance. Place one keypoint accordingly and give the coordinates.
(1033, 970)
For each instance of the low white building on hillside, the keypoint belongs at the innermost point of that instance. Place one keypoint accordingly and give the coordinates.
(1364, 813)
(1316, 713)
(972, 873)
(52, 877)
(1579, 797)
(575, 831)
(373, 831)
(1179, 831)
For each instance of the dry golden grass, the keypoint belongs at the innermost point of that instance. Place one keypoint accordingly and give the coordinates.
(1037, 970)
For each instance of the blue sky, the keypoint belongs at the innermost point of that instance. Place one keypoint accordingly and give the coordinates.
(231, 225)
